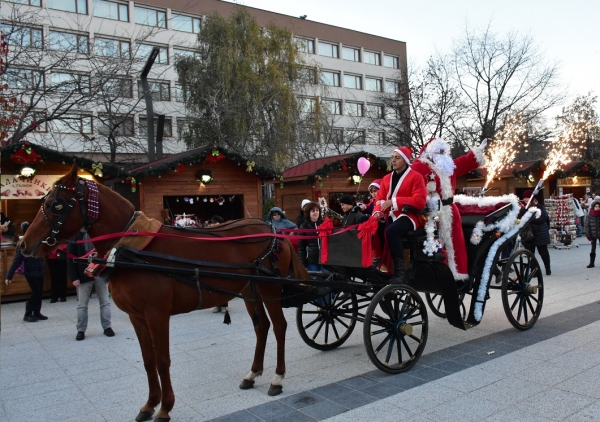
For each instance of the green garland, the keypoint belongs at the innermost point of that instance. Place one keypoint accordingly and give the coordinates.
(109, 171)
(572, 171)
(524, 172)
(198, 155)
(351, 161)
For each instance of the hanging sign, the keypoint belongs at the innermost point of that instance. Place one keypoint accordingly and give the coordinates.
(13, 186)
(575, 181)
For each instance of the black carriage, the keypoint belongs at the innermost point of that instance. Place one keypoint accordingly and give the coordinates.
(394, 316)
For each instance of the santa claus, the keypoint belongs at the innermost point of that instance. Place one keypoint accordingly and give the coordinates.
(440, 172)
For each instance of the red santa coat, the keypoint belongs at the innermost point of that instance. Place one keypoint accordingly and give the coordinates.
(410, 190)
(450, 225)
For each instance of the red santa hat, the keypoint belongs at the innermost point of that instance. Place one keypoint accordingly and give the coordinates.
(375, 183)
(405, 152)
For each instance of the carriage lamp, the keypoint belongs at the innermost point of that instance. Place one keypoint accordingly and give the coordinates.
(27, 172)
(204, 176)
(356, 178)
(530, 178)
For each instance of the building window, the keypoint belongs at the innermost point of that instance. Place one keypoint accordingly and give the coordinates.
(328, 50)
(65, 41)
(351, 53)
(180, 53)
(332, 106)
(178, 93)
(143, 52)
(353, 109)
(112, 48)
(376, 138)
(40, 116)
(375, 111)
(183, 128)
(336, 136)
(69, 82)
(111, 10)
(354, 137)
(391, 61)
(330, 78)
(372, 58)
(185, 23)
(75, 6)
(115, 125)
(161, 91)
(23, 36)
(73, 123)
(305, 45)
(27, 2)
(118, 87)
(373, 84)
(150, 17)
(167, 131)
(307, 105)
(309, 74)
(392, 87)
(21, 79)
(391, 113)
(352, 81)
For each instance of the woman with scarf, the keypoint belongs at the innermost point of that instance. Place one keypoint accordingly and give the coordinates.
(309, 250)
(592, 228)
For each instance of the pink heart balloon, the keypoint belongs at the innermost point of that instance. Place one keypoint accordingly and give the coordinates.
(363, 165)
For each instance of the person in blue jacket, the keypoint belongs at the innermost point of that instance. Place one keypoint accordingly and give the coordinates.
(277, 219)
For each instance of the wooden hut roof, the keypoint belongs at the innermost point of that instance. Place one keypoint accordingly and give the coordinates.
(108, 170)
(197, 155)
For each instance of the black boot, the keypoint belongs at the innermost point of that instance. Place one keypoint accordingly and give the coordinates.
(592, 259)
(37, 313)
(398, 276)
(29, 313)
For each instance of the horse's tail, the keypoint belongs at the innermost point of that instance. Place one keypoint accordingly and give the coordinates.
(297, 269)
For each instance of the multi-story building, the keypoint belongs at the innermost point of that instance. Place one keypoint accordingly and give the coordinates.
(113, 38)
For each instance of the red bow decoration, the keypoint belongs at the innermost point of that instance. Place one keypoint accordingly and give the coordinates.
(366, 231)
(214, 157)
(344, 165)
(26, 155)
(325, 229)
(179, 168)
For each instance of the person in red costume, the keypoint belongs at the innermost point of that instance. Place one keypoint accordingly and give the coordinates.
(440, 172)
(399, 188)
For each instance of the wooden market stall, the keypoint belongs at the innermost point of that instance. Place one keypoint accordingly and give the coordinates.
(20, 194)
(328, 178)
(200, 183)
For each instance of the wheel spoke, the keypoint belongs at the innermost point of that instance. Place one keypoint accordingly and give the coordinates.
(334, 329)
(530, 305)
(310, 324)
(439, 305)
(520, 307)
(410, 353)
(318, 330)
(383, 343)
(524, 306)
(390, 349)
(337, 318)
(398, 346)
(512, 306)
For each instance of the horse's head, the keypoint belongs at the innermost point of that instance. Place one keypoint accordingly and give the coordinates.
(62, 214)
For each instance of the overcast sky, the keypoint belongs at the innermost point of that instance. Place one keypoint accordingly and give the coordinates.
(566, 31)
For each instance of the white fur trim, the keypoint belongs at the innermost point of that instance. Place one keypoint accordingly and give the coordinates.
(374, 184)
(278, 379)
(253, 375)
(485, 275)
(431, 186)
(479, 156)
(445, 182)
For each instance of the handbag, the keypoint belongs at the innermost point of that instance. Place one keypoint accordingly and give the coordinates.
(527, 234)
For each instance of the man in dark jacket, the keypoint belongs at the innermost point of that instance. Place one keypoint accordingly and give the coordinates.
(541, 231)
(592, 228)
(352, 214)
(84, 285)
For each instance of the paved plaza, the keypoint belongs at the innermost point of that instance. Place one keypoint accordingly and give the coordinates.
(548, 373)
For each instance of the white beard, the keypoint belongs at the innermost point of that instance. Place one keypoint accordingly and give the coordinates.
(444, 163)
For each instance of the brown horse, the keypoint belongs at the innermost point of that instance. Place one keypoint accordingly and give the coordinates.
(151, 297)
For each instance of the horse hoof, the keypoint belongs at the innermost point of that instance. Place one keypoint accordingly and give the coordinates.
(144, 416)
(246, 384)
(157, 419)
(275, 390)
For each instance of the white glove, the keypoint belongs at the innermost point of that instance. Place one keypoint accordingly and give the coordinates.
(483, 144)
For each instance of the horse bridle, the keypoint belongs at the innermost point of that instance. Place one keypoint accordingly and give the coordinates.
(61, 208)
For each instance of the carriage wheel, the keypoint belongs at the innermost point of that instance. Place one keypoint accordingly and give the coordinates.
(436, 304)
(522, 290)
(327, 322)
(395, 328)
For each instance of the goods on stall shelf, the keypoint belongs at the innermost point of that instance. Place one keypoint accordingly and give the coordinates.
(562, 221)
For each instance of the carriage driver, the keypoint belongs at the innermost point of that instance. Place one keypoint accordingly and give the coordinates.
(399, 188)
